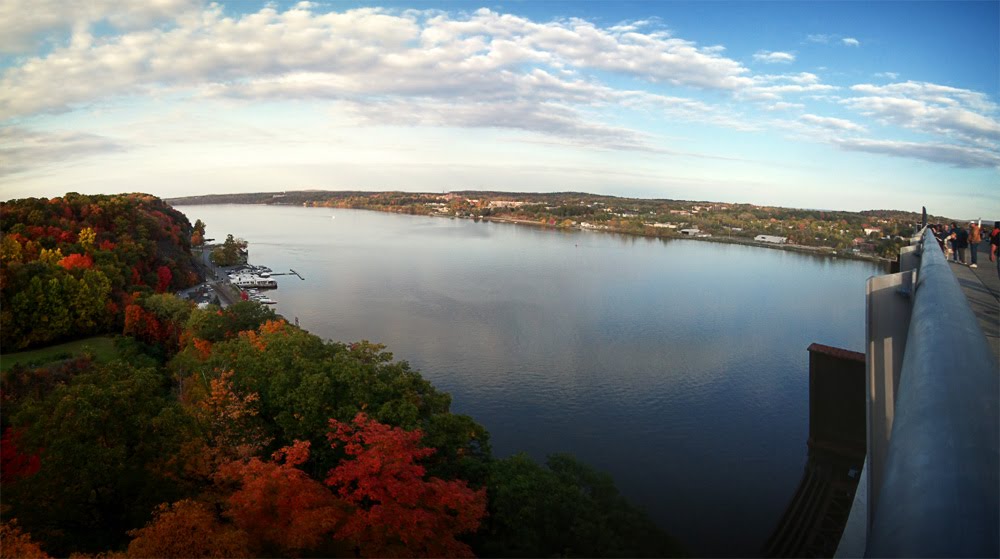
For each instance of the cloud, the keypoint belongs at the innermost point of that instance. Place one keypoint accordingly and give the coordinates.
(769, 87)
(956, 156)
(783, 106)
(773, 57)
(22, 149)
(831, 123)
(959, 114)
(887, 75)
(827, 38)
(345, 54)
(25, 24)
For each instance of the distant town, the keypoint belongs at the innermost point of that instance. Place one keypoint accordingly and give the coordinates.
(873, 234)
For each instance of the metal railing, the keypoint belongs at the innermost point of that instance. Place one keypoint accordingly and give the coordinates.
(940, 490)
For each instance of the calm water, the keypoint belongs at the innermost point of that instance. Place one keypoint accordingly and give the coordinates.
(680, 367)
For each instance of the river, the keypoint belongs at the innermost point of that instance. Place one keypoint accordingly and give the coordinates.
(678, 366)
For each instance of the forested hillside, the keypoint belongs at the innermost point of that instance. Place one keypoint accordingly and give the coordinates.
(228, 432)
(71, 265)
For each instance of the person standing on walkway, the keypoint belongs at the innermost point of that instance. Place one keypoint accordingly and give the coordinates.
(961, 242)
(953, 240)
(975, 237)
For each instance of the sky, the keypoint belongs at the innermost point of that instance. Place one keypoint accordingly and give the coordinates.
(841, 105)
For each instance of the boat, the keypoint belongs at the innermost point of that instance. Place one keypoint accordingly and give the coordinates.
(266, 301)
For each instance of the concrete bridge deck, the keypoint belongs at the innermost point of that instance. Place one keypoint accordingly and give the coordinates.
(981, 286)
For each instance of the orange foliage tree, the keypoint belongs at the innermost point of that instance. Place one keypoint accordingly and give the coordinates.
(285, 511)
(15, 543)
(187, 529)
(398, 513)
(73, 261)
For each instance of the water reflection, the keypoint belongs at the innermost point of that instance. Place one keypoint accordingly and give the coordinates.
(678, 366)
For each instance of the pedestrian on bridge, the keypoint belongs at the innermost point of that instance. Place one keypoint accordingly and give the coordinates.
(975, 237)
(961, 242)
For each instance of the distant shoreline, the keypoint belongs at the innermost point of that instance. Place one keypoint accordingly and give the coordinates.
(814, 251)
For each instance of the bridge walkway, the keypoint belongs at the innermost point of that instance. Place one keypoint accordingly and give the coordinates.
(981, 286)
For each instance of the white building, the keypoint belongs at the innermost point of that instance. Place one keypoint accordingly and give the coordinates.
(771, 239)
(691, 232)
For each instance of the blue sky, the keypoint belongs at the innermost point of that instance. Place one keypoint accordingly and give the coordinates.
(845, 105)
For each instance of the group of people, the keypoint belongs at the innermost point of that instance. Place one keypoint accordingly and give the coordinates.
(955, 240)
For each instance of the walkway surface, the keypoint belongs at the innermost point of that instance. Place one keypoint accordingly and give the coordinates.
(982, 288)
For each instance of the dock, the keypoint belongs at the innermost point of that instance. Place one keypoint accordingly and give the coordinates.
(290, 272)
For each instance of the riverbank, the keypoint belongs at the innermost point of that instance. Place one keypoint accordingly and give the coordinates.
(817, 251)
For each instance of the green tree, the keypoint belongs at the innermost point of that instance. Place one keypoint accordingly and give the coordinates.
(565, 510)
(229, 253)
(106, 439)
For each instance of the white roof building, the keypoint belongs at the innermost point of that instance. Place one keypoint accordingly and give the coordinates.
(771, 239)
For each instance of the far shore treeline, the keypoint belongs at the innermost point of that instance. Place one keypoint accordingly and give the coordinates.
(210, 432)
(873, 234)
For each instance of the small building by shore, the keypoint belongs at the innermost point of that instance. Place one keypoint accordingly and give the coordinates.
(773, 239)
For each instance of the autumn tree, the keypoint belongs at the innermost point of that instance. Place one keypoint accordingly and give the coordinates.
(198, 235)
(17, 544)
(229, 254)
(398, 512)
(187, 528)
(285, 512)
(14, 462)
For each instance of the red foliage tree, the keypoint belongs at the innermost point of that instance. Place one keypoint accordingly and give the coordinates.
(81, 261)
(284, 510)
(14, 464)
(163, 279)
(398, 512)
(142, 324)
(137, 277)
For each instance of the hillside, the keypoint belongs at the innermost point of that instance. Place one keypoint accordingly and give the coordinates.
(70, 265)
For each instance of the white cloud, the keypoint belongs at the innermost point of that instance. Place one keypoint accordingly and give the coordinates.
(773, 57)
(344, 54)
(828, 38)
(958, 114)
(887, 75)
(783, 106)
(948, 154)
(831, 123)
(24, 24)
(22, 149)
(770, 87)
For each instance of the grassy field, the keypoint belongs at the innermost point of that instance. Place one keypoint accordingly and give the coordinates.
(103, 348)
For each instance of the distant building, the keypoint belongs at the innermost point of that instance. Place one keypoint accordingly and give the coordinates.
(505, 204)
(771, 239)
(691, 232)
(870, 230)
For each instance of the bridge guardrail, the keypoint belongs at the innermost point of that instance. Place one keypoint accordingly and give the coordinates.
(940, 494)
